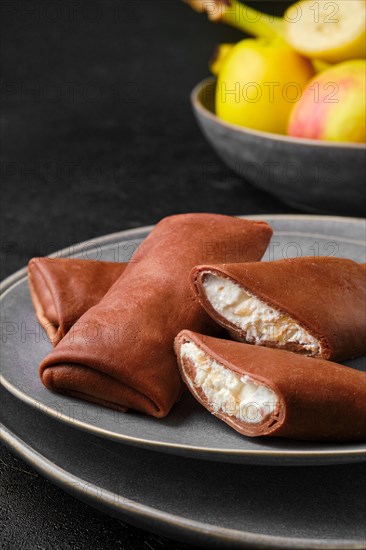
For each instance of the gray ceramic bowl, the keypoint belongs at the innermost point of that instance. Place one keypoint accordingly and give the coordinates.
(315, 176)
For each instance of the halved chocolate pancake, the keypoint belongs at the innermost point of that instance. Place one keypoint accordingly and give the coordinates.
(260, 391)
(313, 306)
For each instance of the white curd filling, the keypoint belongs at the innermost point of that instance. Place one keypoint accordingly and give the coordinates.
(240, 397)
(260, 322)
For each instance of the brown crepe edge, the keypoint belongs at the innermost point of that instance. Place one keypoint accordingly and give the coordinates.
(270, 424)
(53, 331)
(48, 383)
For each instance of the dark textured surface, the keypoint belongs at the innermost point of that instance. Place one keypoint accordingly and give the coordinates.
(98, 136)
(38, 515)
(98, 132)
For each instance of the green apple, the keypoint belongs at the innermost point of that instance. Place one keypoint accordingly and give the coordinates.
(333, 106)
(259, 82)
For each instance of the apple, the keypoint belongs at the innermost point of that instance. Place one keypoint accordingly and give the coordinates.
(259, 82)
(333, 105)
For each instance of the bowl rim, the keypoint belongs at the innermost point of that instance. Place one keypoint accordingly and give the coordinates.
(200, 107)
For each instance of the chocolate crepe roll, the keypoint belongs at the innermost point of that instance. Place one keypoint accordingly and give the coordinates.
(63, 289)
(313, 306)
(120, 352)
(261, 391)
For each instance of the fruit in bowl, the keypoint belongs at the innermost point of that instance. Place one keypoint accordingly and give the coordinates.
(325, 173)
(266, 83)
(333, 105)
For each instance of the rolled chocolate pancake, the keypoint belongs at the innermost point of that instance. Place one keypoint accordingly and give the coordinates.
(313, 306)
(261, 391)
(120, 353)
(63, 289)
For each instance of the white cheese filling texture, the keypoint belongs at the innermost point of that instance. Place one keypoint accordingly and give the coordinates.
(260, 322)
(240, 397)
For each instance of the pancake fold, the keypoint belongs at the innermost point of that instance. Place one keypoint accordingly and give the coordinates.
(63, 289)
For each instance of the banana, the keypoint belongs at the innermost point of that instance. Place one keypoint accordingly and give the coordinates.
(327, 30)
(324, 30)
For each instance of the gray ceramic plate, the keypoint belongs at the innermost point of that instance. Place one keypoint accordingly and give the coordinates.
(189, 430)
(315, 176)
(204, 503)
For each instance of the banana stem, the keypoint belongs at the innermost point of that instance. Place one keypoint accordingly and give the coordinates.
(252, 21)
(241, 16)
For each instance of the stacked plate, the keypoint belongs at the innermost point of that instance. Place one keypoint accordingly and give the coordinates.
(188, 476)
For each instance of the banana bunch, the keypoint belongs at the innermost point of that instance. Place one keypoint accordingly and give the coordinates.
(323, 30)
(302, 74)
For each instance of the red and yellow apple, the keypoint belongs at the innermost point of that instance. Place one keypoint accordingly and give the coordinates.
(333, 105)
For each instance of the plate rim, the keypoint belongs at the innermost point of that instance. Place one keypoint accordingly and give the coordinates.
(126, 508)
(210, 453)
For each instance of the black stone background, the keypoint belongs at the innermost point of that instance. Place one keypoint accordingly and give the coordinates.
(98, 136)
